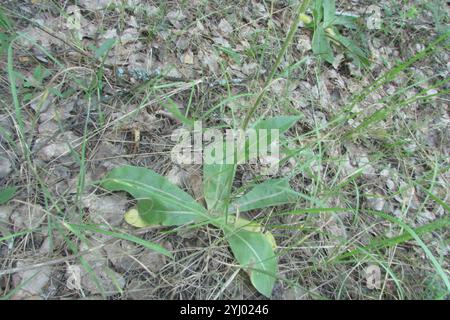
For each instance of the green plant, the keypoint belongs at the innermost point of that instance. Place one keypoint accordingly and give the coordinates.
(162, 203)
(325, 22)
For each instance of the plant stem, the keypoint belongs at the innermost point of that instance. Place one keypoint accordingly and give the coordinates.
(301, 10)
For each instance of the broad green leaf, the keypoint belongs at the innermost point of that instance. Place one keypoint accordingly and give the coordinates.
(318, 11)
(239, 223)
(171, 205)
(217, 179)
(329, 13)
(145, 207)
(269, 193)
(124, 236)
(321, 45)
(346, 21)
(7, 194)
(255, 253)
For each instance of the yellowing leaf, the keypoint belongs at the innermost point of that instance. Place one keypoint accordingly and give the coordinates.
(305, 18)
(255, 253)
(269, 236)
(169, 204)
(330, 31)
(245, 224)
(252, 226)
(133, 218)
(272, 192)
(188, 57)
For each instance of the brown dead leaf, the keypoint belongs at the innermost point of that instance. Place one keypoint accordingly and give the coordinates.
(222, 42)
(96, 4)
(129, 35)
(175, 17)
(209, 60)
(188, 57)
(225, 27)
(24, 59)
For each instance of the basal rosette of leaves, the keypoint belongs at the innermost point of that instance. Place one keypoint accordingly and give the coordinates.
(159, 202)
